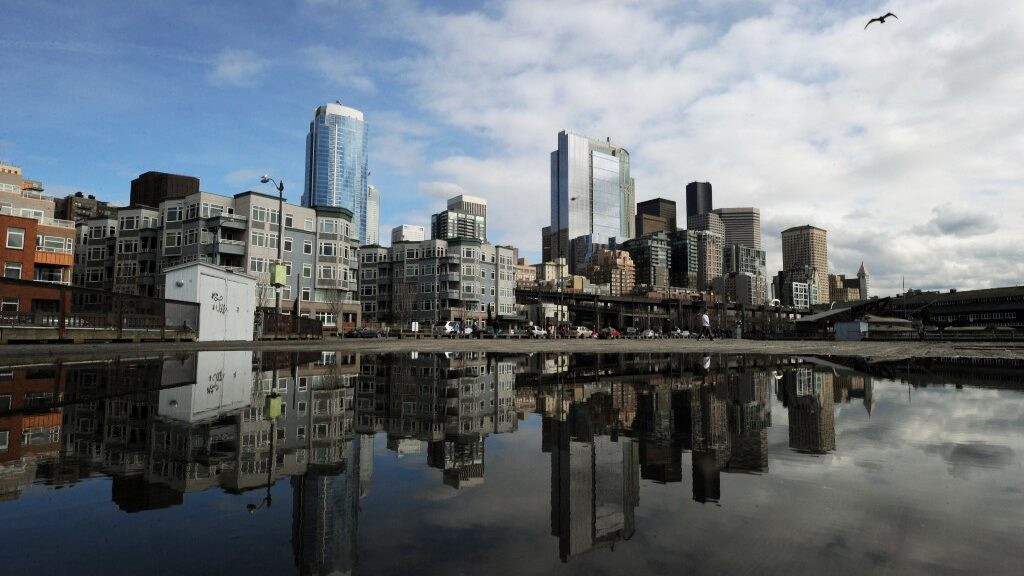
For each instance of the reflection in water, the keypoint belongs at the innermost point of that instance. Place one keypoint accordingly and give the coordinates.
(166, 426)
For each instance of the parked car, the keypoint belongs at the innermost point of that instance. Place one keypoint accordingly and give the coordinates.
(580, 332)
(369, 332)
(648, 334)
(632, 331)
(535, 332)
(608, 333)
(447, 328)
(680, 333)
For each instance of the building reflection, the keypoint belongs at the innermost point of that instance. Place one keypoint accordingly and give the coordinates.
(164, 427)
(451, 402)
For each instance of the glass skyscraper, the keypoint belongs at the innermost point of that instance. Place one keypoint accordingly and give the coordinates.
(336, 163)
(592, 193)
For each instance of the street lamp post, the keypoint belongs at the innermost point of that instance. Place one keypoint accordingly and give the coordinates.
(280, 231)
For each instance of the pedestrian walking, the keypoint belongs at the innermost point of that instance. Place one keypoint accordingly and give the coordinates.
(705, 326)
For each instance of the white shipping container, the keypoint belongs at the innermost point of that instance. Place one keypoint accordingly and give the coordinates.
(227, 300)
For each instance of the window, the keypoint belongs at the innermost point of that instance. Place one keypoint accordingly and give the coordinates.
(288, 220)
(5, 439)
(172, 240)
(54, 244)
(259, 214)
(306, 294)
(307, 246)
(326, 272)
(328, 226)
(16, 238)
(128, 222)
(127, 246)
(9, 304)
(12, 270)
(307, 270)
(95, 275)
(259, 264)
(172, 214)
(328, 249)
(287, 243)
(191, 236)
(328, 318)
(308, 225)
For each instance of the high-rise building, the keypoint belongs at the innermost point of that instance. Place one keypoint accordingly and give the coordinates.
(78, 207)
(863, 278)
(592, 193)
(614, 268)
(652, 259)
(408, 233)
(742, 226)
(466, 217)
(372, 214)
(698, 198)
(336, 163)
(708, 222)
(657, 215)
(805, 248)
(152, 188)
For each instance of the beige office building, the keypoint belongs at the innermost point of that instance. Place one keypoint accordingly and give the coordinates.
(806, 247)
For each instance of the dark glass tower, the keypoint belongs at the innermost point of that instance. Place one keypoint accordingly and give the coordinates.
(698, 198)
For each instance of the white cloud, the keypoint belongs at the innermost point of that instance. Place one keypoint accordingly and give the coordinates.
(237, 68)
(793, 108)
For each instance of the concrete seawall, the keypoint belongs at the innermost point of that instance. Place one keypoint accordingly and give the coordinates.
(874, 351)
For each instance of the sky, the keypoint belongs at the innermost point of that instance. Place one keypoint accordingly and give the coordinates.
(903, 140)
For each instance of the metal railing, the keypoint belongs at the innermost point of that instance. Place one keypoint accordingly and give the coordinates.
(274, 325)
(72, 307)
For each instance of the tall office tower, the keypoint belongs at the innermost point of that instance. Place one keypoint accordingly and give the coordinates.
(698, 198)
(336, 163)
(152, 188)
(372, 214)
(742, 226)
(408, 233)
(863, 277)
(592, 192)
(545, 244)
(657, 215)
(805, 248)
(466, 217)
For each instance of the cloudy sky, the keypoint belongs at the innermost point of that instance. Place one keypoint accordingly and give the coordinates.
(903, 140)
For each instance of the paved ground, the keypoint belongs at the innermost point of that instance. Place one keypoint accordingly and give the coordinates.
(874, 351)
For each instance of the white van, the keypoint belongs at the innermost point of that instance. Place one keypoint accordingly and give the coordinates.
(447, 328)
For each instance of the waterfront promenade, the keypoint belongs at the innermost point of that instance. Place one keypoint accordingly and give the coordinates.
(872, 351)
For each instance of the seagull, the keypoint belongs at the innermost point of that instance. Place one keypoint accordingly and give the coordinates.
(880, 19)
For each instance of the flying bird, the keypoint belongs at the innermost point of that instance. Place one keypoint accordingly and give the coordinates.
(880, 19)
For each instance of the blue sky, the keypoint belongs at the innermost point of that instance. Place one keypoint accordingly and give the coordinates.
(903, 140)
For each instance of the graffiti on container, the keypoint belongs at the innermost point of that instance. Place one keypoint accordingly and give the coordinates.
(218, 303)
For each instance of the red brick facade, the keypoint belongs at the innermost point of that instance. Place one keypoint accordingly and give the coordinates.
(26, 255)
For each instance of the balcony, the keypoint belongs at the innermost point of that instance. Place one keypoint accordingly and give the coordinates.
(450, 294)
(43, 220)
(227, 221)
(451, 277)
(53, 257)
(233, 247)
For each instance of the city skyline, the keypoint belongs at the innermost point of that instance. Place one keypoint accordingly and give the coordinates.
(911, 173)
